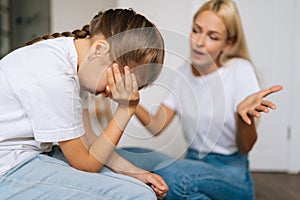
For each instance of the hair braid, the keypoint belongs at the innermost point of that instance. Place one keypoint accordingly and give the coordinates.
(83, 33)
(132, 38)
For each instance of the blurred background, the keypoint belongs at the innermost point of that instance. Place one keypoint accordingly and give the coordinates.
(272, 29)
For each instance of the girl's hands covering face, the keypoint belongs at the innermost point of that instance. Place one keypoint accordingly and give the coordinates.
(255, 103)
(122, 89)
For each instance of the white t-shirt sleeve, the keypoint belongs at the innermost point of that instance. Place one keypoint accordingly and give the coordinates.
(54, 108)
(245, 80)
(84, 99)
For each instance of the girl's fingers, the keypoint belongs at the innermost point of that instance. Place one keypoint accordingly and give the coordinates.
(128, 79)
(156, 183)
(118, 77)
(134, 83)
(110, 79)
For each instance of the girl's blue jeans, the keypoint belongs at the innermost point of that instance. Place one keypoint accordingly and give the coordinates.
(51, 177)
(213, 177)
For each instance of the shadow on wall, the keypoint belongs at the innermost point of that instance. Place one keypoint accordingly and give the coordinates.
(22, 21)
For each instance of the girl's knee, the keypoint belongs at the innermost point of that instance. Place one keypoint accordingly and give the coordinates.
(140, 192)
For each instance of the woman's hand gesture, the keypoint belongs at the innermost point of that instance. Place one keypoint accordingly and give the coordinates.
(124, 91)
(255, 103)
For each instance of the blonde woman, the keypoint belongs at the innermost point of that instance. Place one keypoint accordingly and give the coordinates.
(217, 96)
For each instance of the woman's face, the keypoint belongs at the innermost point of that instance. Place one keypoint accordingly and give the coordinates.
(207, 40)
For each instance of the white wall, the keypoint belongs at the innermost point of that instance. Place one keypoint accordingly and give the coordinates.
(294, 161)
(272, 30)
(173, 18)
(68, 15)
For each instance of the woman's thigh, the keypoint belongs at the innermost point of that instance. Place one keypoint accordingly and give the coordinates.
(43, 177)
(196, 179)
(146, 159)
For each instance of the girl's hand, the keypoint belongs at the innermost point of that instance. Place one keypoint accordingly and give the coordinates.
(156, 182)
(254, 104)
(124, 91)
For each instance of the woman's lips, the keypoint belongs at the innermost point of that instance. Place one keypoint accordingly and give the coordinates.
(197, 53)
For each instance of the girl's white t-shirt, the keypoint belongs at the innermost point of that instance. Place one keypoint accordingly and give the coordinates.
(206, 105)
(40, 100)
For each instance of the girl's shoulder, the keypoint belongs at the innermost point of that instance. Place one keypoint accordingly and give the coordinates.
(61, 43)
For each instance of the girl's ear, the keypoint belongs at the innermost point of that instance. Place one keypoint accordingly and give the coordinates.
(101, 47)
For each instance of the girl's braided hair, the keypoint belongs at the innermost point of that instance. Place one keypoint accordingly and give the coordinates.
(132, 48)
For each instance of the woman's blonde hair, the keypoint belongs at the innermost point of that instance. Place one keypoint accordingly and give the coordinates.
(229, 14)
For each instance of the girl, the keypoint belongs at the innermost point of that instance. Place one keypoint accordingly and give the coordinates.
(213, 99)
(43, 101)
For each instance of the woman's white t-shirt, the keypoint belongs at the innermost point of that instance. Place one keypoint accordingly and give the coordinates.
(40, 100)
(206, 104)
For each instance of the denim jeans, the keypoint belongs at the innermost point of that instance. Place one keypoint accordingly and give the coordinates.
(213, 177)
(47, 177)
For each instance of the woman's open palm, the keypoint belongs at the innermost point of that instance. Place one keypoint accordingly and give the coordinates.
(255, 103)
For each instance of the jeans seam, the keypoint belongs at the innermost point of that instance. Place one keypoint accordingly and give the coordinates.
(52, 184)
(186, 180)
(140, 185)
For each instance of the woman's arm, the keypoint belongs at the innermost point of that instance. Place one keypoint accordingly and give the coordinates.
(157, 123)
(246, 135)
(247, 110)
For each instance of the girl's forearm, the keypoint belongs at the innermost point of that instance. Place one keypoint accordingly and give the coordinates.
(122, 166)
(104, 145)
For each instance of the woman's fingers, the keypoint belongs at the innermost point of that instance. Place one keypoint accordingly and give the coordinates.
(271, 90)
(261, 108)
(276, 88)
(268, 104)
(245, 117)
(254, 113)
(255, 103)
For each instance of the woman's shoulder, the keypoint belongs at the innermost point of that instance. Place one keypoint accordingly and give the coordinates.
(183, 69)
(238, 65)
(238, 62)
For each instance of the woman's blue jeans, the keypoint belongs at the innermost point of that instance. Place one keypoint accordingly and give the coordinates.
(50, 177)
(213, 177)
